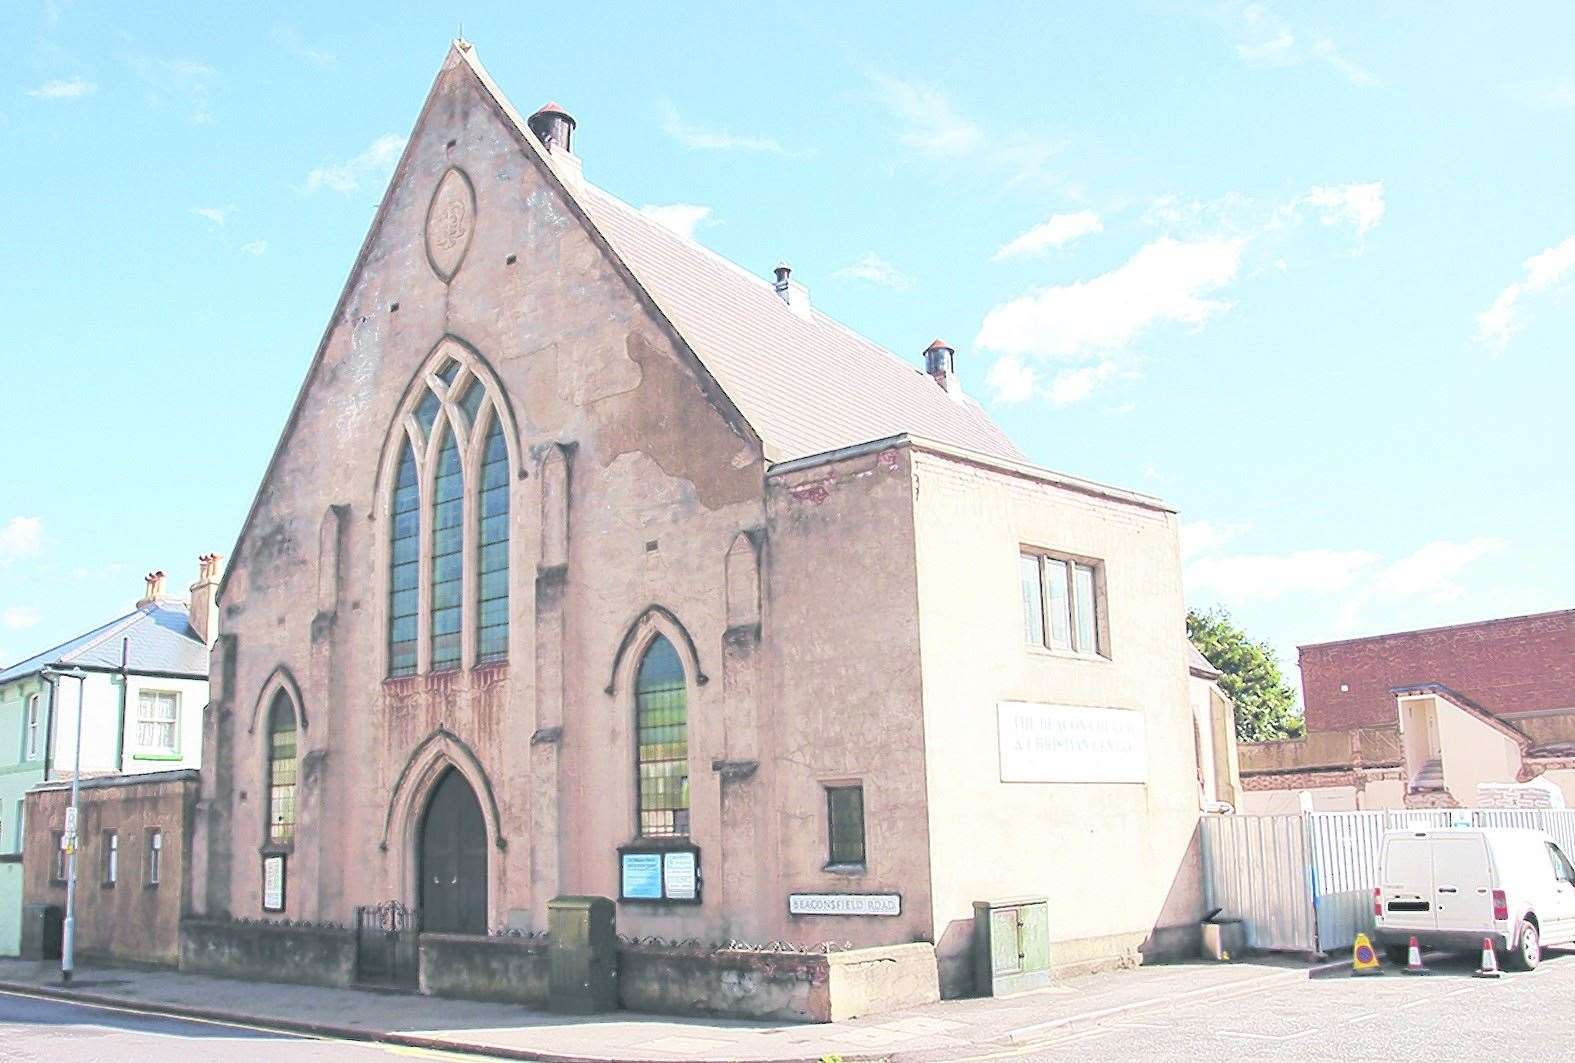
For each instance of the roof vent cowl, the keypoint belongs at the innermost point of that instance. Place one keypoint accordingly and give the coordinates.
(554, 127)
(940, 362)
(794, 294)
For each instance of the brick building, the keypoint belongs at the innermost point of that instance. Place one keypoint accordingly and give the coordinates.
(1424, 718)
(589, 562)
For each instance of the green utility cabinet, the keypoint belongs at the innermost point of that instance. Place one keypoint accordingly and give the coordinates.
(582, 955)
(1011, 945)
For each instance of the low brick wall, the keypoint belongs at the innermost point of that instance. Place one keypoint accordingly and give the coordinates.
(268, 951)
(796, 987)
(508, 969)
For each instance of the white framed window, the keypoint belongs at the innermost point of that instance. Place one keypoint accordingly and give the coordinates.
(1063, 603)
(158, 720)
(32, 725)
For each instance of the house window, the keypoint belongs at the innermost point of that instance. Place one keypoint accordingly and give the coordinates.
(845, 825)
(662, 756)
(281, 771)
(57, 842)
(492, 588)
(1061, 609)
(157, 714)
(111, 857)
(32, 727)
(448, 557)
(155, 854)
(404, 567)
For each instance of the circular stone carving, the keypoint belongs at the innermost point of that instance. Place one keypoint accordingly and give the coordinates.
(451, 219)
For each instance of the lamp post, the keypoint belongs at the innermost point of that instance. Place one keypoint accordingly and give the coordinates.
(72, 841)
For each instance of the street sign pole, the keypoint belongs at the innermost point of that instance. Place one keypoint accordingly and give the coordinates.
(72, 841)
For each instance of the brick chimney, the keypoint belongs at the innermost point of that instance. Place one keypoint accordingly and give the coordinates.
(940, 361)
(204, 598)
(153, 592)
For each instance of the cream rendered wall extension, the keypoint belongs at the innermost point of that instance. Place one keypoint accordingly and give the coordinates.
(1472, 752)
(1116, 860)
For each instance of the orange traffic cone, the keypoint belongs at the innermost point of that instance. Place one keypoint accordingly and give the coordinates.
(1489, 967)
(1413, 959)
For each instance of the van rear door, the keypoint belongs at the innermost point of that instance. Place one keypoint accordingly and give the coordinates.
(1462, 883)
(1407, 886)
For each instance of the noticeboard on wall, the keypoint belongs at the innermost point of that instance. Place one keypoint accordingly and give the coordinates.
(273, 882)
(659, 875)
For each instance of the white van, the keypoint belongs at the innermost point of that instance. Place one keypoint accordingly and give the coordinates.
(1450, 888)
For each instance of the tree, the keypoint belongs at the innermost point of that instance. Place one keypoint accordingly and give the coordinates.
(1250, 675)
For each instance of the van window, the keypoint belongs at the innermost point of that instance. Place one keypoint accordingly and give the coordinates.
(1408, 864)
(1561, 864)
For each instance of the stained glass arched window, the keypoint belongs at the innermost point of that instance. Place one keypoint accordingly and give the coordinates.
(404, 566)
(281, 770)
(492, 567)
(448, 557)
(662, 742)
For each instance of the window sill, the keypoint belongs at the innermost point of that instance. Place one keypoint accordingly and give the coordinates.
(157, 756)
(846, 870)
(150, 885)
(1065, 655)
(273, 848)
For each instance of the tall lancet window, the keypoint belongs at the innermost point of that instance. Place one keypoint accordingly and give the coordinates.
(404, 566)
(449, 470)
(661, 705)
(448, 557)
(492, 569)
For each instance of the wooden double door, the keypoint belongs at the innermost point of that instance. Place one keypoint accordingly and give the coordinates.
(453, 860)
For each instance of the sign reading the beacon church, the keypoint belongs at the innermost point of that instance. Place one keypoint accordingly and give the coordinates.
(659, 875)
(1071, 743)
(844, 904)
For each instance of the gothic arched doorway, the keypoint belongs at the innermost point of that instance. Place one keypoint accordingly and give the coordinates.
(452, 862)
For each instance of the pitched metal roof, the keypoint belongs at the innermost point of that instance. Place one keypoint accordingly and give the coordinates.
(159, 638)
(805, 383)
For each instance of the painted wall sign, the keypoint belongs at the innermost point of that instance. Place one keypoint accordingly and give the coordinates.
(273, 883)
(659, 874)
(844, 904)
(1071, 743)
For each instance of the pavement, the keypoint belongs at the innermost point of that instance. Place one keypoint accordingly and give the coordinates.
(949, 1030)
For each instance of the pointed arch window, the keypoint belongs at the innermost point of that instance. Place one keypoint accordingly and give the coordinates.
(492, 569)
(449, 507)
(661, 699)
(404, 567)
(448, 557)
(281, 770)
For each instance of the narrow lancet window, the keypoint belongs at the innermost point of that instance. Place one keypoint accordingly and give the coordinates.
(281, 771)
(404, 567)
(448, 554)
(662, 754)
(492, 593)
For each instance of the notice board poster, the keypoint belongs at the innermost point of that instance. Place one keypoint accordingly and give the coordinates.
(642, 876)
(273, 882)
(659, 874)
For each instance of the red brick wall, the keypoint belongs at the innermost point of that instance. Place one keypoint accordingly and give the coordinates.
(1515, 665)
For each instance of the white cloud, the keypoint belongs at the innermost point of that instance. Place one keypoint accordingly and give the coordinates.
(1166, 281)
(20, 537)
(1204, 536)
(72, 89)
(1266, 39)
(19, 618)
(256, 248)
(1075, 385)
(876, 270)
(1431, 571)
(1358, 205)
(1248, 577)
(1059, 231)
(681, 218)
(217, 215)
(186, 80)
(1010, 381)
(373, 164)
(926, 119)
(693, 136)
(1499, 323)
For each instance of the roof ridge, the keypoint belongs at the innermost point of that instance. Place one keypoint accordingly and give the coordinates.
(107, 632)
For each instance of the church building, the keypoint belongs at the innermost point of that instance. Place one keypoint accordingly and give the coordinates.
(591, 563)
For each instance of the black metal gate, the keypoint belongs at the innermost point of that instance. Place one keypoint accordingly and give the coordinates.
(385, 944)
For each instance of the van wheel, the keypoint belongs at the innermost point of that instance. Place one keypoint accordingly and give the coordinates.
(1399, 955)
(1529, 953)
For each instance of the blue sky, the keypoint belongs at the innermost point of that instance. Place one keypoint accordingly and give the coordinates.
(1303, 271)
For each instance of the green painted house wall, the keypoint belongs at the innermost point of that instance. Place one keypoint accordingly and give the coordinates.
(18, 773)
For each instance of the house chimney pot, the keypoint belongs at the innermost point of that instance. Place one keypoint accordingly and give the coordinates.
(940, 361)
(204, 614)
(554, 127)
(153, 590)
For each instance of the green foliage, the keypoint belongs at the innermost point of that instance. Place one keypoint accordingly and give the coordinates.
(1250, 674)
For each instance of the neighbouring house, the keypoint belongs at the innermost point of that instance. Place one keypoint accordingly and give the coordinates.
(591, 563)
(132, 886)
(1445, 717)
(142, 699)
(1214, 733)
